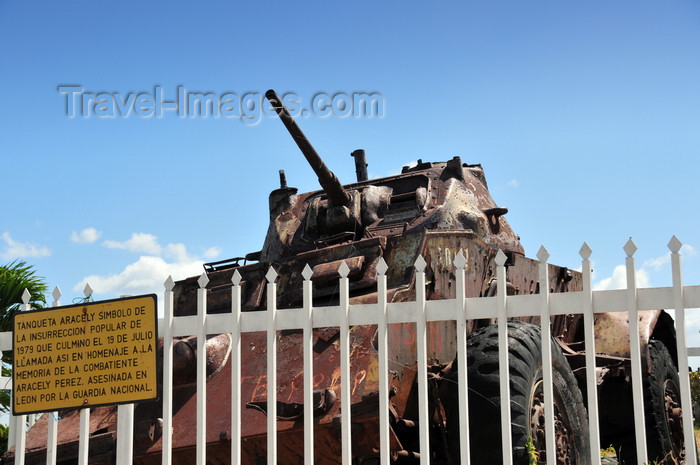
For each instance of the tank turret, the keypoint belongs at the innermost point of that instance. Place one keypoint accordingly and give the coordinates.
(427, 196)
(430, 207)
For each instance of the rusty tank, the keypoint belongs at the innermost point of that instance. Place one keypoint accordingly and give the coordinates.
(432, 209)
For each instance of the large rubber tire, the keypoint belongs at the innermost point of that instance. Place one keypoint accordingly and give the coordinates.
(527, 416)
(662, 414)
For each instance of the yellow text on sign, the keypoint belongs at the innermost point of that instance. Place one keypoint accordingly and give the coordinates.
(85, 355)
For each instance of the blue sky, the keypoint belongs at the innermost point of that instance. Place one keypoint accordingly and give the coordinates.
(584, 115)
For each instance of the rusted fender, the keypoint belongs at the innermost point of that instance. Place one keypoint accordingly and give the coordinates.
(612, 332)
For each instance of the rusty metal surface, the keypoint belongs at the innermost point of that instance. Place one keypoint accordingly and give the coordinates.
(103, 421)
(254, 389)
(612, 335)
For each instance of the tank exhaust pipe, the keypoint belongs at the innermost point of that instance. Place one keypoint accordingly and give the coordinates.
(329, 182)
(360, 165)
(283, 180)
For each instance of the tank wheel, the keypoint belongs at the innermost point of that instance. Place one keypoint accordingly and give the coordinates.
(563, 434)
(662, 411)
(527, 396)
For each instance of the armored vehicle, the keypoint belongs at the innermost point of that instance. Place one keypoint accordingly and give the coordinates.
(432, 209)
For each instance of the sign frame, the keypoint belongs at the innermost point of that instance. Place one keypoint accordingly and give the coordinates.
(103, 336)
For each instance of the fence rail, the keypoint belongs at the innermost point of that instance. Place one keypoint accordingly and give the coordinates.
(420, 312)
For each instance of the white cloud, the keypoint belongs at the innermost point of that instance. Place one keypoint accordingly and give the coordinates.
(658, 266)
(212, 252)
(618, 280)
(139, 243)
(659, 263)
(148, 244)
(15, 250)
(688, 250)
(178, 252)
(149, 272)
(513, 183)
(144, 276)
(86, 236)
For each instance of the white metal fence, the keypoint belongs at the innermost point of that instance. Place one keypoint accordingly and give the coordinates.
(587, 303)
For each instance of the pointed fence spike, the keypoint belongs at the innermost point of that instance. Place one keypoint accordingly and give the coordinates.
(382, 267)
(420, 264)
(460, 261)
(87, 291)
(675, 245)
(307, 272)
(543, 254)
(169, 283)
(585, 251)
(500, 258)
(203, 280)
(630, 248)
(56, 293)
(271, 275)
(343, 270)
(236, 278)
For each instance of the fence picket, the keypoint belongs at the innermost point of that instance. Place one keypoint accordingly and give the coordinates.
(460, 263)
(167, 435)
(589, 339)
(52, 438)
(686, 404)
(308, 341)
(547, 376)
(125, 434)
(345, 392)
(52, 417)
(271, 313)
(84, 439)
(236, 368)
(383, 362)
(20, 428)
(422, 362)
(503, 367)
(635, 353)
(201, 331)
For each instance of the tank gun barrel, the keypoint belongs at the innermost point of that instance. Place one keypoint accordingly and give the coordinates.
(329, 182)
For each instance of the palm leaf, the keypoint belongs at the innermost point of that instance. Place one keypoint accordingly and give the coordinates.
(14, 279)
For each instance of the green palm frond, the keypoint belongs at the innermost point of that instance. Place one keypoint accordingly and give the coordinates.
(14, 279)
